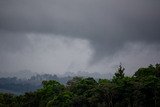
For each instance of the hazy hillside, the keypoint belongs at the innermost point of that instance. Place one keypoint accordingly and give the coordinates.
(20, 86)
(26, 81)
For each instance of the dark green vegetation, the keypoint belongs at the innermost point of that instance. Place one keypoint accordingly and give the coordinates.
(140, 90)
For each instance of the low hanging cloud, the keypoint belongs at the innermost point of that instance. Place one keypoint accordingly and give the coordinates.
(108, 26)
(45, 54)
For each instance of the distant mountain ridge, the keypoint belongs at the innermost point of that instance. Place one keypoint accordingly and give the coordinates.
(27, 74)
(20, 86)
(89, 74)
(26, 81)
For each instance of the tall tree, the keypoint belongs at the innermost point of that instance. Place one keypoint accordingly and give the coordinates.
(120, 72)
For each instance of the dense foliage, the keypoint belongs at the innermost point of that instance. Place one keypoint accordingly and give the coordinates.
(140, 90)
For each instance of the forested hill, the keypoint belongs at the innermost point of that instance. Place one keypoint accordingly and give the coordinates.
(20, 86)
(16, 85)
(140, 90)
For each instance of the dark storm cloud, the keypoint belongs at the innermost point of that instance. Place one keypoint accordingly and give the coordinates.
(107, 24)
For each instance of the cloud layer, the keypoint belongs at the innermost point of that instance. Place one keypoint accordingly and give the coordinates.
(107, 26)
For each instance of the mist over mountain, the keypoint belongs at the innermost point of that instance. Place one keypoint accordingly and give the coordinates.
(89, 74)
(18, 85)
(26, 74)
(22, 74)
(66, 53)
(26, 80)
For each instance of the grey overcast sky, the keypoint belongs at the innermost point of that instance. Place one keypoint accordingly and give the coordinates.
(57, 36)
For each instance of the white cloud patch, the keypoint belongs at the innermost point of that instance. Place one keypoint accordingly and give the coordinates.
(50, 54)
(57, 54)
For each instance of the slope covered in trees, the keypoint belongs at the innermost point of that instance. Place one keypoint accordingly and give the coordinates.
(140, 90)
(20, 86)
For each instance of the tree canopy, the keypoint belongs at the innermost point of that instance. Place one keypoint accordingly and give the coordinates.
(139, 90)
